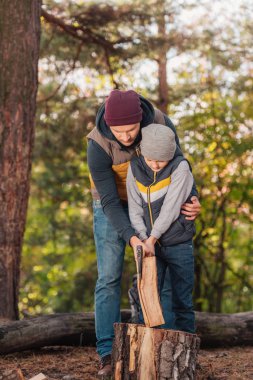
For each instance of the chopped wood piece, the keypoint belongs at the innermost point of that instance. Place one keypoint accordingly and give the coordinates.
(148, 293)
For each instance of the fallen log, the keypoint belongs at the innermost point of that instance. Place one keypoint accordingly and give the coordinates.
(215, 330)
(48, 330)
(220, 330)
(141, 353)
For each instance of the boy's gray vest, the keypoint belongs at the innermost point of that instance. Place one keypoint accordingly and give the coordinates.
(153, 188)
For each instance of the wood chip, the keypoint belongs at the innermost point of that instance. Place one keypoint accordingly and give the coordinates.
(40, 376)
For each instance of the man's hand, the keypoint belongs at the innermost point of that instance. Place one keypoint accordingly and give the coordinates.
(191, 210)
(134, 241)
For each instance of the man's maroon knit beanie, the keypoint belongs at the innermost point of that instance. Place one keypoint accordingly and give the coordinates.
(122, 108)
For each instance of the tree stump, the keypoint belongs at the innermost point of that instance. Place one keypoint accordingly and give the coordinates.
(144, 353)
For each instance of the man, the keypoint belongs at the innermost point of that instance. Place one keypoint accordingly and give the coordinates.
(111, 145)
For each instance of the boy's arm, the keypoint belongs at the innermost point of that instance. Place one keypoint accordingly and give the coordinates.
(178, 191)
(135, 206)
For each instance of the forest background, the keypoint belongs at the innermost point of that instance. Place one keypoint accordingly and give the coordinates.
(193, 60)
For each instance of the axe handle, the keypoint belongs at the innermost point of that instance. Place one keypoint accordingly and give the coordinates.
(139, 254)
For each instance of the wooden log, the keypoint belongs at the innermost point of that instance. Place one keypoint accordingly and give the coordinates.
(55, 329)
(78, 329)
(141, 353)
(148, 290)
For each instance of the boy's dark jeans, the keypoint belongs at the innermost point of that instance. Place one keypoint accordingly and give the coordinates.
(180, 261)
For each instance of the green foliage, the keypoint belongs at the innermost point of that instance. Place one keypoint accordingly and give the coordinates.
(218, 140)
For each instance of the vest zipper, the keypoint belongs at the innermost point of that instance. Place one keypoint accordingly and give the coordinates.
(149, 204)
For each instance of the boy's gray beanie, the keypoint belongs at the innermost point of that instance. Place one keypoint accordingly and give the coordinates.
(158, 142)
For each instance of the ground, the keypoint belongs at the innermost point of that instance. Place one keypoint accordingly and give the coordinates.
(81, 363)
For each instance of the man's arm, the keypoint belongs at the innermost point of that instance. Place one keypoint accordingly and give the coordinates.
(135, 206)
(100, 165)
(178, 192)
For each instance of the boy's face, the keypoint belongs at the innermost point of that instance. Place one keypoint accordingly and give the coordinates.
(126, 134)
(155, 165)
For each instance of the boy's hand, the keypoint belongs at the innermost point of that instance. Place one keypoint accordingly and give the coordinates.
(150, 245)
(192, 210)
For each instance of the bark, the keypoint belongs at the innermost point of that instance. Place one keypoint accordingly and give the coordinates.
(215, 330)
(141, 352)
(19, 53)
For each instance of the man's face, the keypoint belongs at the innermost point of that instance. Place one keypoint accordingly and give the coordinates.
(156, 166)
(126, 134)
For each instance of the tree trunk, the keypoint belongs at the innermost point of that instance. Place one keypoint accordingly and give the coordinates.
(78, 329)
(141, 353)
(19, 53)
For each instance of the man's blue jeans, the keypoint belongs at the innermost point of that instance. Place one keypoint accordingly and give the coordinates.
(179, 260)
(110, 250)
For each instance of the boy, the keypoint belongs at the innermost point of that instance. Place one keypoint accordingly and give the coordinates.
(159, 181)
